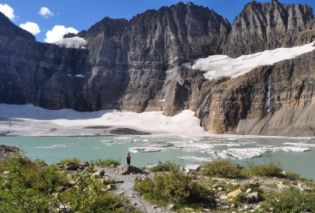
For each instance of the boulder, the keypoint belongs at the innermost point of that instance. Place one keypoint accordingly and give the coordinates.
(127, 170)
(83, 164)
(72, 167)
(99, 173)
(234, 193)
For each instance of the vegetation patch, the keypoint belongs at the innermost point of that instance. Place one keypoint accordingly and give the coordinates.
(290, 200)
(175, 187)
(164, 167)
(33, 186)
(105, 163)
(263, 170)
(223, 169)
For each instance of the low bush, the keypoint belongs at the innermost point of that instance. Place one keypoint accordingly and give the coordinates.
(290, 200)
(70, 161)
(164, 167)
(223, 169)
(33, 186)
(264, 170)
(105, 163)
(175, 187)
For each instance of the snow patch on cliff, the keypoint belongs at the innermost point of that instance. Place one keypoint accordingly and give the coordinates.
(74, 42)
(218, 66)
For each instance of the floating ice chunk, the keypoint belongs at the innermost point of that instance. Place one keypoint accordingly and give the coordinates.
(218, 66)
(194, 158)
(52, 146)
(74, 42)
(300, 144)
(291, 149)
(145, 149)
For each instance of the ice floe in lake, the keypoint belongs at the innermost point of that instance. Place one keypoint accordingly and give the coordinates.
(52, 146)
(291, 149)
(300, 144)
(144, 149)
(195, 158)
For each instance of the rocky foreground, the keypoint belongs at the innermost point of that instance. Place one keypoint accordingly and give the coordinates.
(104, 185)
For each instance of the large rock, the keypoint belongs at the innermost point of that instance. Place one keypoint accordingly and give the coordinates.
(127, 170)
(8, 151)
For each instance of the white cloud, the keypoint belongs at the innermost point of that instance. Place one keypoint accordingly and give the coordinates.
(7, 10)
(57, 33)
(45, 12)
(31, 27)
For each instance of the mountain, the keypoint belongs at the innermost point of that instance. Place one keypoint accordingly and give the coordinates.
(141, 65)
(267, 26)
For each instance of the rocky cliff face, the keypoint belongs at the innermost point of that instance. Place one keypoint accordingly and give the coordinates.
(267, 26)
(137, 65)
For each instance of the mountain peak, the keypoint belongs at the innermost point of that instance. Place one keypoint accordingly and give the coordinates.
(11, 31)
(262, 26)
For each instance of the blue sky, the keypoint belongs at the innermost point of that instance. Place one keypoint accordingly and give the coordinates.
(81, 14)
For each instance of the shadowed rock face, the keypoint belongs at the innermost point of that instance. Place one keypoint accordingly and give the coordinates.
(137, 65)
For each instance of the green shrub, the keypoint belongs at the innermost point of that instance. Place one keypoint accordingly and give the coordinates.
(223, 169)
(290, 200)
(264, 170)
(70, 161)
(292, 176)
(105, 163)
(175, 187)
(33, 186)
(164, 167)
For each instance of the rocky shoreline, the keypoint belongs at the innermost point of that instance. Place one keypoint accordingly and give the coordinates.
(221, 185)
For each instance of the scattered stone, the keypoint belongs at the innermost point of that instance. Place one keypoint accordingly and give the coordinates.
(254, 197)
(83, 164)
(108, 179)
(170, 207)
(99, 173)
(8, 151)
(71, 182)
(72, 167)
(248, 190)
(223, 197)
(234, 193)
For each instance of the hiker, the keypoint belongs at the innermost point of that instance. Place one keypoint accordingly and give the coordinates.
(128, 159)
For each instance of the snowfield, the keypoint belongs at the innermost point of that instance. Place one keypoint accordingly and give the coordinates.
(217, 66)
(74, 42)
(184, 123)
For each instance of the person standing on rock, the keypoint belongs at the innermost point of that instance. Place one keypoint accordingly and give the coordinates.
(128, 159)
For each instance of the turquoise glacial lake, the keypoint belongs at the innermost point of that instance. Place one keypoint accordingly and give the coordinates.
(297, 155)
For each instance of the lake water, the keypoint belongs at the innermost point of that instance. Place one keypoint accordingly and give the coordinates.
(296, 155)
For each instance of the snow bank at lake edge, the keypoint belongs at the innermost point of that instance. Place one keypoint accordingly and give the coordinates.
(182, 124)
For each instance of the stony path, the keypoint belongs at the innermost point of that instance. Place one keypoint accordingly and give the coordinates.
(126, 188)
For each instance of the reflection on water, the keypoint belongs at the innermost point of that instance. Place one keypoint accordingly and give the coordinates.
(293, 154)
